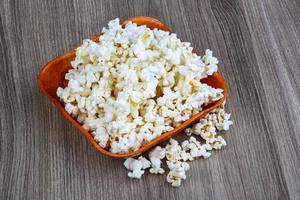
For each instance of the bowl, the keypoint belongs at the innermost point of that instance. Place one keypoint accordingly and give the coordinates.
(52, 76)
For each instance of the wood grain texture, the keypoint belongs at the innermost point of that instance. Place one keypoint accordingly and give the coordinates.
(42, 156)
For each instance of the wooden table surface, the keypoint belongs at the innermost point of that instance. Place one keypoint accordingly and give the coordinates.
(43, 156)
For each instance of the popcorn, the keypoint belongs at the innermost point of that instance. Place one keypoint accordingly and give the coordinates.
(207, 127)
(191, 149)
(177, 172)
(174, 179)
(145, 163)
(155, 156)
(173, 150)
(177, 154)
(70, 108)
(136, 166)
(195, 149)
(218, 143)
(210, 61)
(101, 136)
(135, 83)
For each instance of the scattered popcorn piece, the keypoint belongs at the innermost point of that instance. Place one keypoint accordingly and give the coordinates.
(177, 172)
(173, 179)
(155, 156)
(145, 163)
(136, 166)
(173, 150)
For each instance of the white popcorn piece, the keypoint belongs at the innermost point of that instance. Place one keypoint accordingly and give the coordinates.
(210, 61)
(136, 166)
(218, 143)
(173, 150)
(101, 136)
(71, 109)
(173, 179)
(145, 163)
(136, 174)
(155, 156)
(177, 172)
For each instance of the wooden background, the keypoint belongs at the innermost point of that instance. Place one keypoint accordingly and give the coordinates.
(44, 157)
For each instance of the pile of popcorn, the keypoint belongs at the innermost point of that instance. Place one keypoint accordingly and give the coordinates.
(135, 84)
(177, 154)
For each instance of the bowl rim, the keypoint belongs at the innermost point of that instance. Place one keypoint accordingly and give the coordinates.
(147, 146)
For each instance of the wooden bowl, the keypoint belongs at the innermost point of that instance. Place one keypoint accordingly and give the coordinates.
(53, 73)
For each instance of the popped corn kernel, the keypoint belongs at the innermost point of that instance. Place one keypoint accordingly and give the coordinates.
(155, 156)
(136, 166)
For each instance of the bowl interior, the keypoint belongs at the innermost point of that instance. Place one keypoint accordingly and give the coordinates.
(52, 76)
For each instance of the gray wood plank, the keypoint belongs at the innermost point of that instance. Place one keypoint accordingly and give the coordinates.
(42, 156)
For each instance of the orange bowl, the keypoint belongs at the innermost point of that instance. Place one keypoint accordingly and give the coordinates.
(53, 73)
